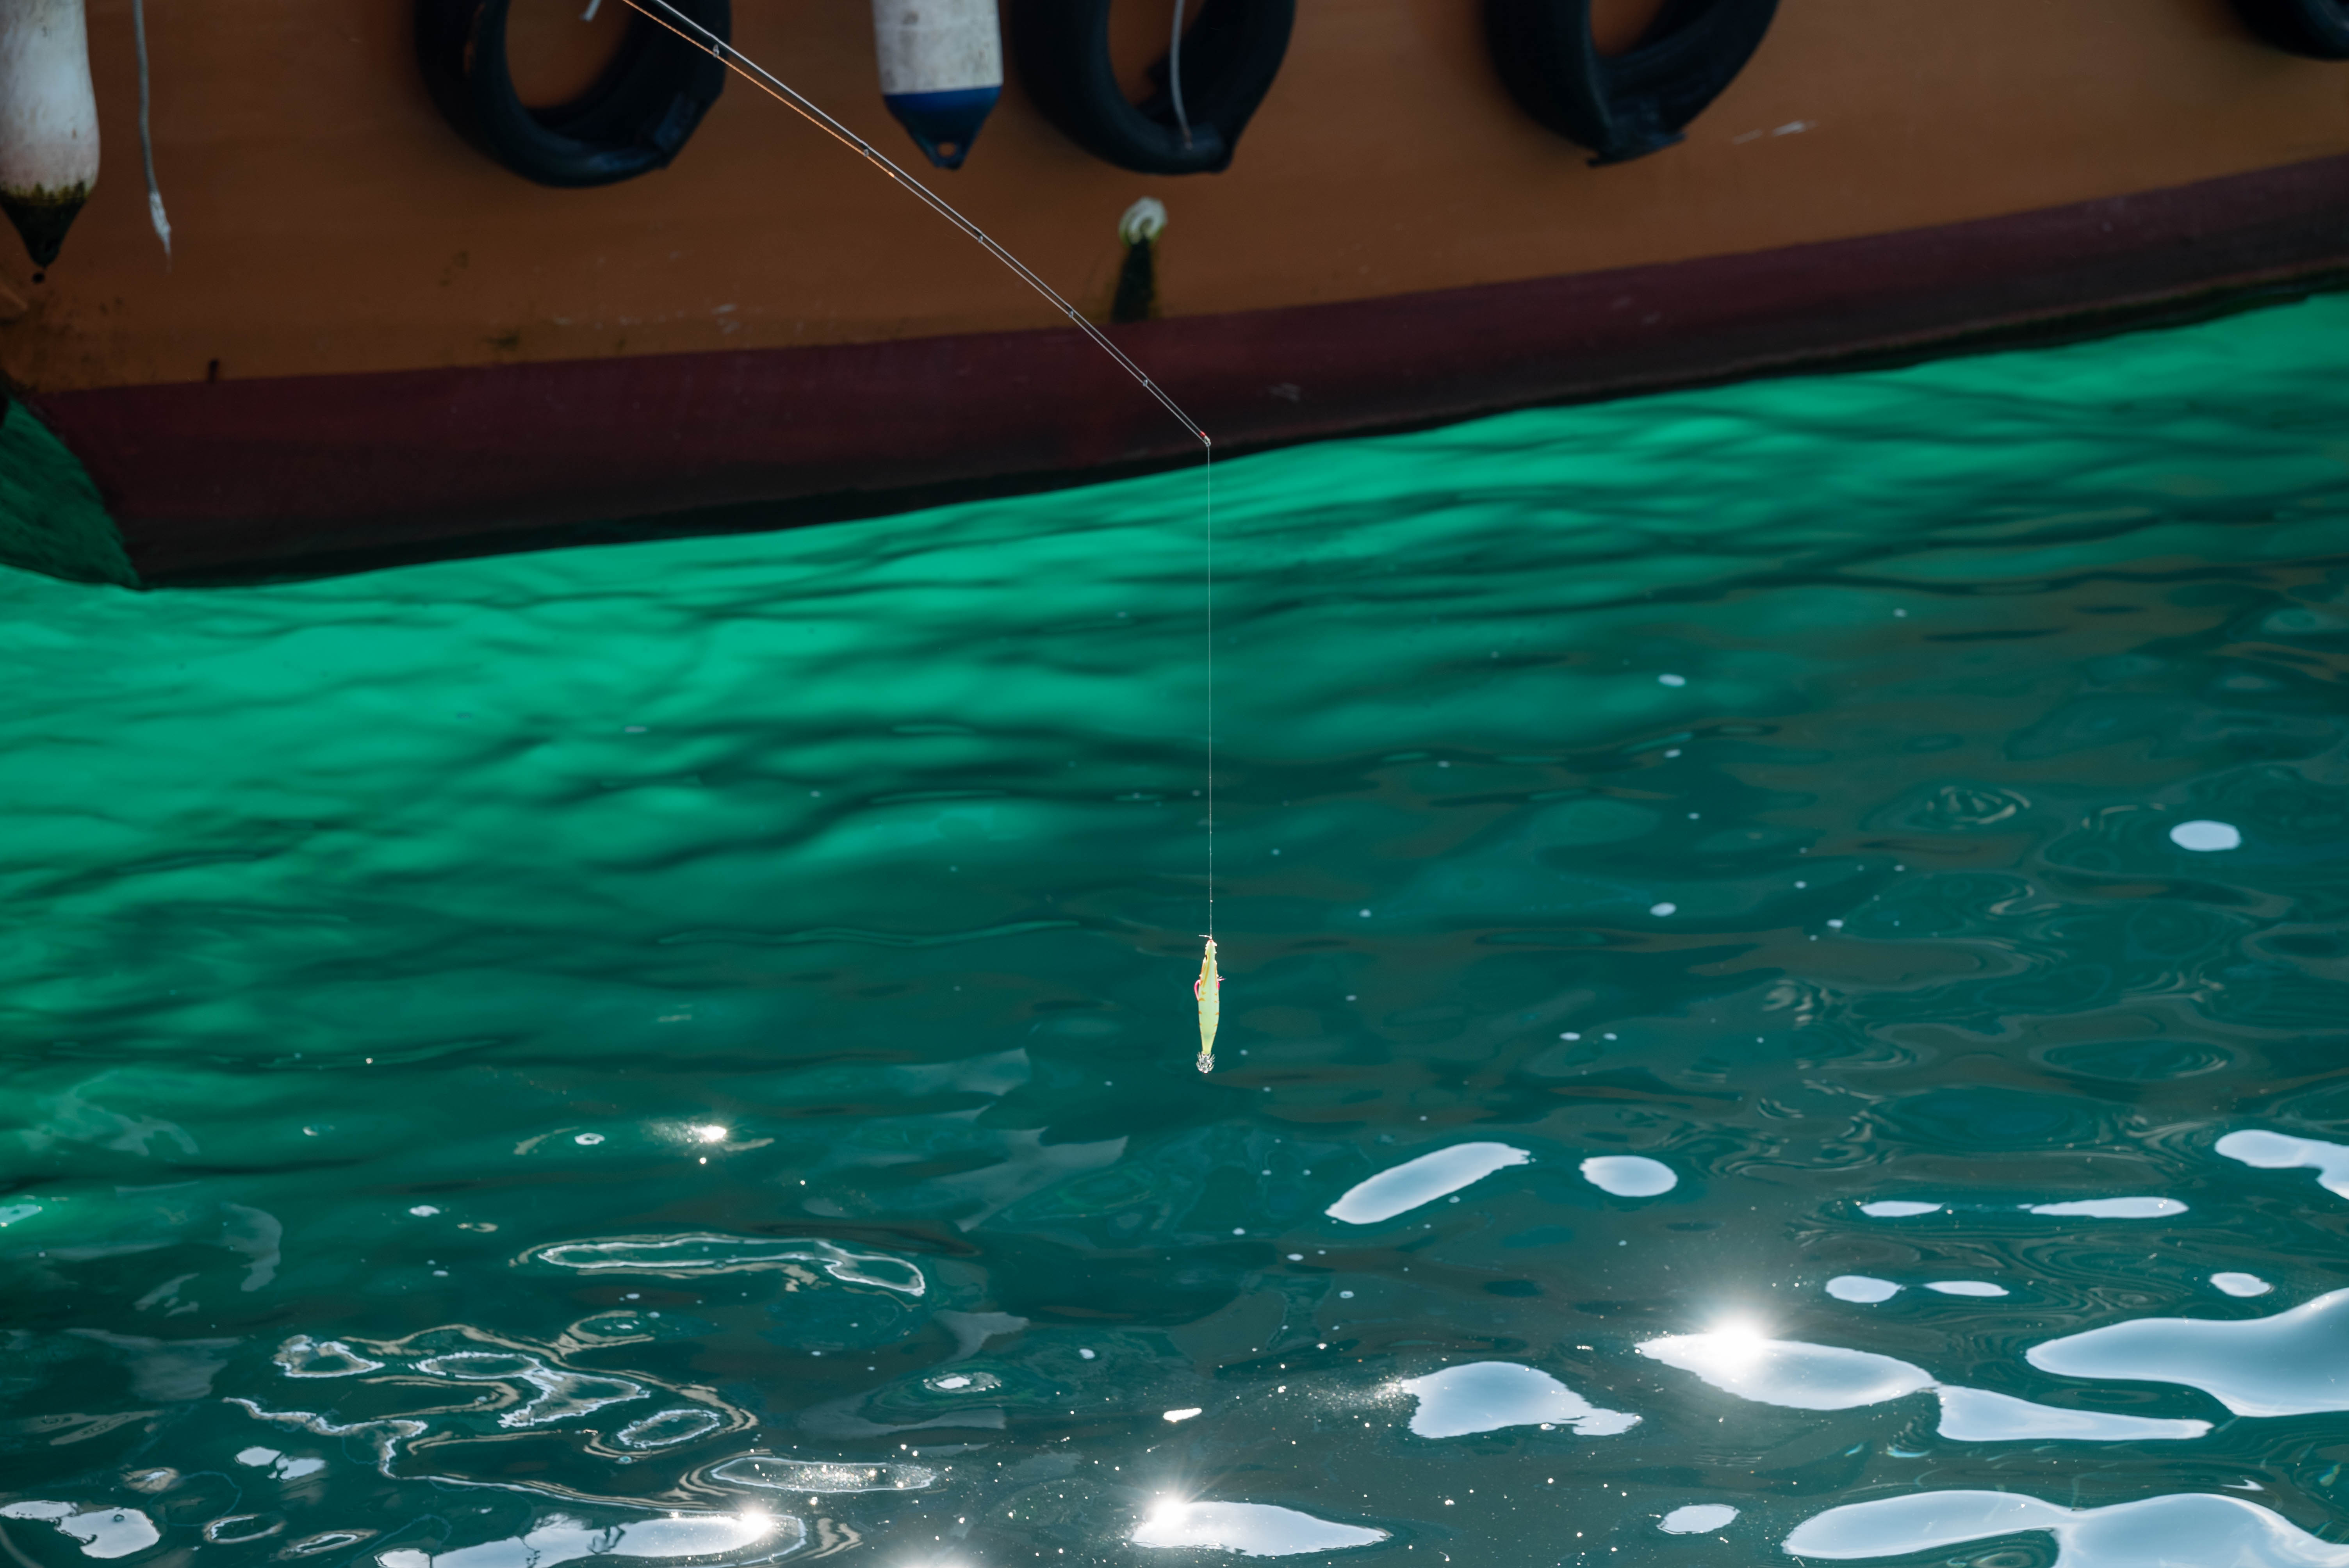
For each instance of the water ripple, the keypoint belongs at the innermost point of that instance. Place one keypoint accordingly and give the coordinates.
(552, 1057)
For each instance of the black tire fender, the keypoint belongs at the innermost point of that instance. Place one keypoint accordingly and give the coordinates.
(631, 122)
(1624, 106)
(1230, 57)
(2317, 29)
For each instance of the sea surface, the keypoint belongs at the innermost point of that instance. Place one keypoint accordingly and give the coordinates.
(1786, 997)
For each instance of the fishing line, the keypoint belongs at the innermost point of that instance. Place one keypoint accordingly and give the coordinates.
(667, 15)
(774, 87)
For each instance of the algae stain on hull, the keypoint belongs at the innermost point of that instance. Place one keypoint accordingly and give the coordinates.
(51, 518)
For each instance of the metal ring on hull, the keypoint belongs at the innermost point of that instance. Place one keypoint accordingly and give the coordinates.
(1625, 105)
(1230, 57)
(631, 122)
(2317, 29)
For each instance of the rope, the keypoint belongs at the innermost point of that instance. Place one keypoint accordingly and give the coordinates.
(1174, 74)
(146, 136)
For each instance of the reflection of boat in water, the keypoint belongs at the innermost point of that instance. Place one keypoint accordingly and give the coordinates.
(374, 340)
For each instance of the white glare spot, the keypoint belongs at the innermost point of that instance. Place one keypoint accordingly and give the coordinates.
(1788, 1373)
(1249, 1529)
(1629, 1175)
(424, 1211)
(2114, 1209)
(1489, 1396)
(1697, 1518)
(2286, 1365)
(1861, 1288)
(1673, 680)
(2177, 1527)
(1965, 1287)
(2281, 1151)
(565, 1538)
(1423, 1181)
(1086, 1355)
(1183, 1415)
(1661, 910)
(589, 1138)
(102, 1532)
(2206, 836)
(1896, 1209)
(2241, 1284)
(1979, 1415)
(709, 1132)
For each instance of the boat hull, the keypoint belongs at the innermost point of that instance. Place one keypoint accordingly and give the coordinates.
(535, 365)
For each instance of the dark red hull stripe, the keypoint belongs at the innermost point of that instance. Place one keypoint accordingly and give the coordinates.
(211, 478)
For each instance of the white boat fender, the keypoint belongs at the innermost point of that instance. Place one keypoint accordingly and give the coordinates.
(941, 70)
(49, 121)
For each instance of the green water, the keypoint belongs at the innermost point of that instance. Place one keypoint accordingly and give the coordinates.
(492, 1048)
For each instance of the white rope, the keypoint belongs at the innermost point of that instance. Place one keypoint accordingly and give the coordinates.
(147, 137)
(1174, 74)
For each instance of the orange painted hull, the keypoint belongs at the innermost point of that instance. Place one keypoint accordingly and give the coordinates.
(373, 340)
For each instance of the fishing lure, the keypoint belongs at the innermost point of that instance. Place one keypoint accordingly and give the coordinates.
(1208, 989)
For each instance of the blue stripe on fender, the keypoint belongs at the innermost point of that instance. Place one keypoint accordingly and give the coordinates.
(943, 124)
